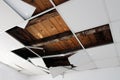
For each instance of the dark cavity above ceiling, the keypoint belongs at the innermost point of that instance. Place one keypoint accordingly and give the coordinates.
(50, 62)
(57, 61)
(24, 53)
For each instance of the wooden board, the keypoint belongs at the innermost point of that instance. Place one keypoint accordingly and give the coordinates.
(57, 2)
(47, 25)
(41, 5)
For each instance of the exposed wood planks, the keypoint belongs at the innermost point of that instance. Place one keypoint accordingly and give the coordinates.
(53, 38)
(21, 35)
(86, 41)
(50, 27)
(70, 43)
(47, 25)
(96, 36)
(56, 24)
(33, 31)
(42, 30)
(75, 42)
(51, 32)
(61, 23)
(89, 38)
(41, 5)
(57, 2)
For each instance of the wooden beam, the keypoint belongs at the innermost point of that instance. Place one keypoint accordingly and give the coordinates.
(54, 38)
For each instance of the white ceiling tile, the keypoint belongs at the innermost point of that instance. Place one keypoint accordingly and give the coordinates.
(23, 24)
(102, 52)
(79, 58)
(9, 18)
(38, 62)
(25, 10)
(109, 62)
(117, 45)
(83, 14)
(82, 61)
(11, 59)
(87, 66)
(55, 71)
(115, 29)
(14, 66)
(26, 65)
(8, 61)
(8, 43)
(27, 72)
(113, 9)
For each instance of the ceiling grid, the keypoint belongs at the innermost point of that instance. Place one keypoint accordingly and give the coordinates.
(74, 33)
(110, 22)
(49, 35)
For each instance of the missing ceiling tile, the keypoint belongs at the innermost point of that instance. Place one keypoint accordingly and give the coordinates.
(56, 61)
(96, 36)
(21, 35)
(41, 5)
(48, 31)
(24, 53)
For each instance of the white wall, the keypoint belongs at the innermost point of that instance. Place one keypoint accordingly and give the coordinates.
(7, 73)
(98, 74)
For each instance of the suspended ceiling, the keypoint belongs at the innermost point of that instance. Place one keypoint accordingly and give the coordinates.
(64, 36)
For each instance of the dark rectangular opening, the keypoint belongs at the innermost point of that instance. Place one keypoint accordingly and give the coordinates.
(24, 53)
(58, 61)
